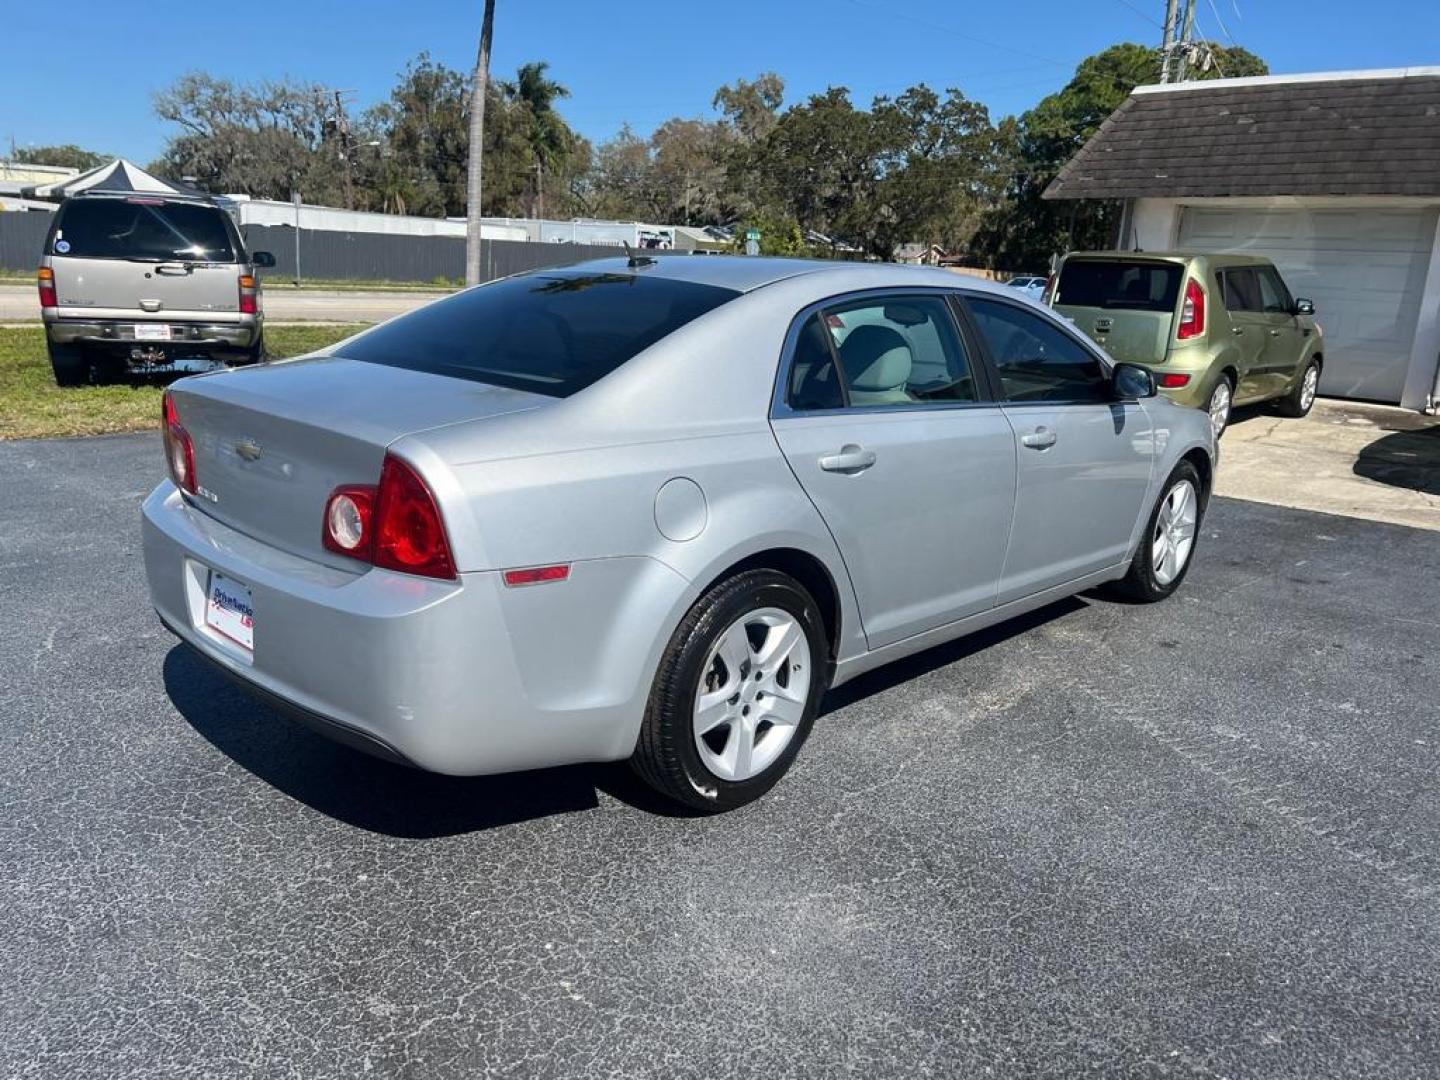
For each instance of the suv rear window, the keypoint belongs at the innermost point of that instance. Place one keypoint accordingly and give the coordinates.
(553, 332)
(143, 229)
(1137, 286)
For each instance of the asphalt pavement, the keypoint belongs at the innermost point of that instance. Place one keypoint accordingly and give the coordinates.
(1197, 839)
(18, 304)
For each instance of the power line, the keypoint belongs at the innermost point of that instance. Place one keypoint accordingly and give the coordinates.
(1137, 11)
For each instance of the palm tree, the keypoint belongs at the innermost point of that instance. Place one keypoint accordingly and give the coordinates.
(548, 136)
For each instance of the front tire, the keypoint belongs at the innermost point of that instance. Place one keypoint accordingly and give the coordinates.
(736, 693)
(1298, 401)
(1167, 546)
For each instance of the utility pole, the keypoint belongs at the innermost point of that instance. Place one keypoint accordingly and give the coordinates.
(539, 197)
(478, 89)
(1167, 41)
(1186, 42)
(341, 126)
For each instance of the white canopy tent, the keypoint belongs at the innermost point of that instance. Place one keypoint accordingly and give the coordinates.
(119, 175)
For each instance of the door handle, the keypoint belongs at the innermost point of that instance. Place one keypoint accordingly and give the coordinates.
(1274, 333)
(1237, 330)
(1039, 439)
(850, 460)
(173, 269)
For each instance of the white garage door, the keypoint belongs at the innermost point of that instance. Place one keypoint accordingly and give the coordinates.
(1365, 270)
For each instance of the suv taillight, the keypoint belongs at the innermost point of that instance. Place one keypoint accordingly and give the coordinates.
(395, 525)
(179, 450)
(45, 278)
(249, 295)
(1192, 311)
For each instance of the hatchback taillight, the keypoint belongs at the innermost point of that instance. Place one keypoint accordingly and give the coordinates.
(395, 525)
(249, 295)
(45, 278)
(179, 449)
(1192, 311)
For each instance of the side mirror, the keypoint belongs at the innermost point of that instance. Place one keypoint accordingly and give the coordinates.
(1132, 381)
(1303, 306)
(262, 259)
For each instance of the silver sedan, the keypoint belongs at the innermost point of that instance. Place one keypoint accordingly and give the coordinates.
(651, 509)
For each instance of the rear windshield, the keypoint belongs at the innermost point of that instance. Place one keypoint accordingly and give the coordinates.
(553, 332)
(1136, 286)
(143, 229)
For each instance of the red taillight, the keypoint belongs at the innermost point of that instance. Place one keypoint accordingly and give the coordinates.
(537, 575)
(349, 521)
(249, 295)
(1173, 380)
(396, 525)
(409, 532)
(179, 450)
(1192, 312)
(45, 278)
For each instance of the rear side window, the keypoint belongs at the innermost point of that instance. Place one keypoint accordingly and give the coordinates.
(1242, 289)
(1136, 286)
(143, 229)
(553, 332)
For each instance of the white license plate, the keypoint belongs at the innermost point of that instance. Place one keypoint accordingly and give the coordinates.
(152, 332)
(229, 610)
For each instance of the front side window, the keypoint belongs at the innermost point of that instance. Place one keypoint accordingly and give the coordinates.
(1273, 293)
(1038, 361)
(553, 332)
(900, 350)
(145, 229)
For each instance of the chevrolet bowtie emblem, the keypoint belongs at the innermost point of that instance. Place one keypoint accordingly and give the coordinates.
(248, 449)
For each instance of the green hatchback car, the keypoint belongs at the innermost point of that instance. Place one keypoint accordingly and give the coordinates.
(1217, 330)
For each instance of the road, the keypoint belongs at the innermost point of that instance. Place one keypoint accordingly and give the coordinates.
(1200, 839)
(18, 304)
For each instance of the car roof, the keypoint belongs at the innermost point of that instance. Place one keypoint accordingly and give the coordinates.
(745, 273)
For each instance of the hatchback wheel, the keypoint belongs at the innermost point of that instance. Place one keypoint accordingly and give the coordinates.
(736, 693)
(1299, 400)
(1222, 400)
(1163, 556)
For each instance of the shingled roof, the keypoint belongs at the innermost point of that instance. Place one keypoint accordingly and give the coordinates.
(1348, 133)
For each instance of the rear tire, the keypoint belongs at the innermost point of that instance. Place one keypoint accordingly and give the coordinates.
(1167, 546)
(1220, 404)
(736, 692)
(256, 355)
(1298, 401)
(69, 364)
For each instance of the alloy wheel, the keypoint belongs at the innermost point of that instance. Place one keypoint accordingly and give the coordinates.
(1174, 535)
(1309, 388)
(1220, 407)
(752, 694)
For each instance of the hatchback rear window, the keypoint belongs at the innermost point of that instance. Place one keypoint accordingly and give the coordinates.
(553, 332)
(143, 229)
(1137, 286)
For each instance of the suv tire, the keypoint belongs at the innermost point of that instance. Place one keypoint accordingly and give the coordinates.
(723, 643)
(69, 364)
(1301, 397)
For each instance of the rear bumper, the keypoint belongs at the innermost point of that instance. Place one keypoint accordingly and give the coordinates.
(185, 333)
(461, 677)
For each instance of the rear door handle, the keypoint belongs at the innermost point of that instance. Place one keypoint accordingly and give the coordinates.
(1274, 333)
(850, 460)
(1039, 439)
(1237, 330)
(173, 269)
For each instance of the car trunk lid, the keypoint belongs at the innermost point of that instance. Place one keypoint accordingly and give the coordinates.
(271, 443)
(1126, 305)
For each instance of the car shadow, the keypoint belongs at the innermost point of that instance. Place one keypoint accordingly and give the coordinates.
(912, 667)
(376, 795)
(1406, 459)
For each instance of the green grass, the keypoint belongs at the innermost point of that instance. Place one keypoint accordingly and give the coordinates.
(33, 407)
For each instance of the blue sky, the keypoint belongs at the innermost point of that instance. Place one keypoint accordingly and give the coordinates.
(84, 72)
